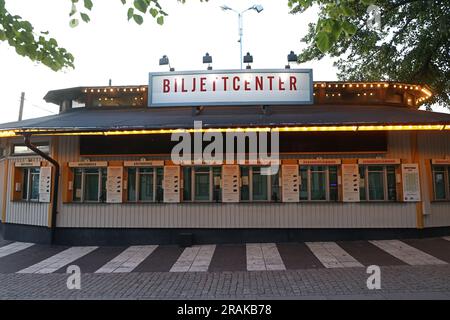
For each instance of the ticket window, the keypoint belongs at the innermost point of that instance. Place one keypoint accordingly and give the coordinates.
(441, 183)
(378, 183)
(25, 185)
(89, 184)
(202, 184)
(258, 186)
(319, 183)
(145, 184)
(30, 184)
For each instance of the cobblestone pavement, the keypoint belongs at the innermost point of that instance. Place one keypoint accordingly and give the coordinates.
(397, 282)
(410, 269)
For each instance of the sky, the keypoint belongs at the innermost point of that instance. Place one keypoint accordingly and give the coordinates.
(110, 47)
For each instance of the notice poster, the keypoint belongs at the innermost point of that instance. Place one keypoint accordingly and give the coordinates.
(45, 184)
(114, 185)
(290, 183)
(411, 182)
(171, 184)
(230, 183)
(350, 183)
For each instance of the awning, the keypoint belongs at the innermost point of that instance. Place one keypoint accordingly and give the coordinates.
(352, 117)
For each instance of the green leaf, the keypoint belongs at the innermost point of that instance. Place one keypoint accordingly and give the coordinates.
(88, 4)
(349, 28)
(130, 14)
(153, 12)
(85, 17)
(2, 36)
(323, 41)
(141, 5)
(124, 1)
(160, 20)
(73, 23)
(73, 10)
(347, 11)
(138, 19)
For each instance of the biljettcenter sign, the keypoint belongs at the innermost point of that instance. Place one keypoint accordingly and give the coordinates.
(236, 87)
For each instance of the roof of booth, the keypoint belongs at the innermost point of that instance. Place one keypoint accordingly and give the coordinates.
(103, 119)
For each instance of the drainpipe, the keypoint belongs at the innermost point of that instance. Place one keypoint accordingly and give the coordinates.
(55, 182)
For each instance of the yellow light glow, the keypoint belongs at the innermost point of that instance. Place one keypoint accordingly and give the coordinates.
(427, 92)
(7, 134)
(236, 130)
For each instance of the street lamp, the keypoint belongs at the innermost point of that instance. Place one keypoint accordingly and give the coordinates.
(257, 7)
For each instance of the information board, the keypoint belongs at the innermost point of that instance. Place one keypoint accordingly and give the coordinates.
(411, 182)
(350, 183)
(230, 183)
(290, 183)
(114, 185)
(45, 184)
(171, 184)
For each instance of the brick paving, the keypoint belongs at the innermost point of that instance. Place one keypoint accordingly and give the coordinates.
(227, 277)
(398, 282)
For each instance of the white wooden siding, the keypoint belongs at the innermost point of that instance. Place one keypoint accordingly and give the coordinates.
(22, 212)
(251, 215)
(245, 215)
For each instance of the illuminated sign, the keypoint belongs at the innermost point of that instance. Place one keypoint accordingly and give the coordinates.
(237, 87)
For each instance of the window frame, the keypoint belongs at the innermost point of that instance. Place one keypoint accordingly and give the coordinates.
(269, 185)
(28, 186)
(327, 183)
(385, 182)
(39, 145)
(446, 182)
(102, 181)
(211, 188)
(137, 184)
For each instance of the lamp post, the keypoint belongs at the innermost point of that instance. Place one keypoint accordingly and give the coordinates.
(257, 7)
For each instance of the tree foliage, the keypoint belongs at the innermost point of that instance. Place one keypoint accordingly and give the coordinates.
(40, 47)
(412, 44)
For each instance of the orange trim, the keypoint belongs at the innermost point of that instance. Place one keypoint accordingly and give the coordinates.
(115, 163)
(16, 178)
(289, 161)
(349, 161)
(67, 178)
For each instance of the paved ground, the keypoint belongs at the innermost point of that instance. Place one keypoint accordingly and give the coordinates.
(410, 269)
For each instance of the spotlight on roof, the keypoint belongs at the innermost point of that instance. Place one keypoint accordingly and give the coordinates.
(225, 7)
(207, 59)
(257, 7)
(248, 58)
(164, 61)
(292, 57)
